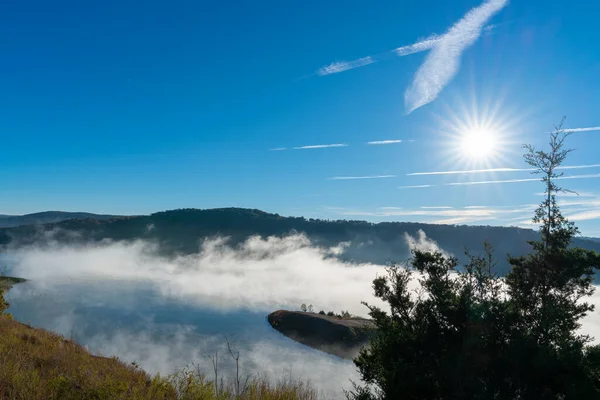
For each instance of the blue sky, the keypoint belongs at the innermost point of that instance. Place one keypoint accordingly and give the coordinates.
(134, 107)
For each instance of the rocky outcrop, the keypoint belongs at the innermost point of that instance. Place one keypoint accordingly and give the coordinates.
(342, 337)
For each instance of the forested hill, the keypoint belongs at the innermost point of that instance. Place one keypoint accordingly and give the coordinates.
(180, 231)
(46, 217)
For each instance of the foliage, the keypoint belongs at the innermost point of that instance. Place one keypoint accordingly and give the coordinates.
(179, 231)
(468, 334)
(3, 303)
(5, 283)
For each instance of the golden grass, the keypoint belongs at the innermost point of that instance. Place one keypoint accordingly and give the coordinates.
(36, 364)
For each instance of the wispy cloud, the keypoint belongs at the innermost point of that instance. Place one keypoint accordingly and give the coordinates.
(475, 171)
(469, 171)
(422, 45)
(320, 146)
(346, 178)
(593, 128)
(278, 149)
(588, 176)
(570, 194)
(342, 66)
(584, 215)
(443, 61)
(488, 182)
(415, 186)
(391, 141)
(446, 214)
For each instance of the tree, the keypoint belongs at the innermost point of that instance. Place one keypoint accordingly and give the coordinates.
(547, 288)
(468, 334)
(303, 307)
(3, 303)
(310, 308)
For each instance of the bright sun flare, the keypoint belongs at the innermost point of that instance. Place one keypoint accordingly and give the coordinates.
(478, 144)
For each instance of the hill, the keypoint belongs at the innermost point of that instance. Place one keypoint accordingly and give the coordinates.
(47, 217)
(180, 231)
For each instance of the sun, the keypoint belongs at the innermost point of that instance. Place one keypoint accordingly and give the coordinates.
(478, 144)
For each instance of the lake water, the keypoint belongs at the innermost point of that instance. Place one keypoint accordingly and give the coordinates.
(136, 323)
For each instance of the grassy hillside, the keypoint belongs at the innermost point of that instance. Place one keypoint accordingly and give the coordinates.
(37, 364)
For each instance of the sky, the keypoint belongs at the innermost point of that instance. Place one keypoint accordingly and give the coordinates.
(337, 109)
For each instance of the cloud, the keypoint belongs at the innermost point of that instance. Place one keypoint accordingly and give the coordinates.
(337, 67)
(258, 275)
(344, 178)
(496, 215)
(476, 171)
(422, 45)
(321, 146)
(486, 182)
(423, 211)
(278, 149)
(415, 186)
(443, 61)
(342, 66)
(470, 171)
(470, 183)
(593, 128)
(589, 176)
(123, 299)
(584, 215)
(376, 142)
(569, 194)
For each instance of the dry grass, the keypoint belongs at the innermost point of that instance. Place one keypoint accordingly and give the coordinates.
(37, 364)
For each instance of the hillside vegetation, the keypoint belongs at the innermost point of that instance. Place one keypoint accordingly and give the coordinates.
(180, 231)
(47, 217)
(37, 364)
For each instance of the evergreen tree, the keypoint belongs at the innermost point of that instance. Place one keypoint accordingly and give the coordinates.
(468, 334)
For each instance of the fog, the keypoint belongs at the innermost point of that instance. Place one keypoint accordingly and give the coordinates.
(122, 299)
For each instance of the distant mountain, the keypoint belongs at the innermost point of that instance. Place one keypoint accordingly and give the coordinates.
(181, 231)
(46, 217)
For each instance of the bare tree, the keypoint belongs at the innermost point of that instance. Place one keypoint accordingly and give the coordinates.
(215, 362)
(236, 356)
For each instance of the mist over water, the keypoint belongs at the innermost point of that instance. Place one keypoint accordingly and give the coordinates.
(122, 299)
(163, 335)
